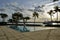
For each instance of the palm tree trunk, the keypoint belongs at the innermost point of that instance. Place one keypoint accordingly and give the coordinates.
(26, 20)
(16, 23)
(24, 28)
(57, 17)
(3, 20)
(34, 22)
(51, 18)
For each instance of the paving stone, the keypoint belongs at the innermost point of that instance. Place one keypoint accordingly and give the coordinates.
(11, 34)
(3, 38)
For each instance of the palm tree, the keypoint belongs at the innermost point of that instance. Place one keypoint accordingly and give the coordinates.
(35, 15)
(55, 0)
(24, 21)
(56, 9)
(27, 18)
(10, 20)
(16, 17)
(51, 13)
(3, 16)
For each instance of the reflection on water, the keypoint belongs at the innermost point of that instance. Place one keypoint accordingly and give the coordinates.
(29, 29)
(39, 28)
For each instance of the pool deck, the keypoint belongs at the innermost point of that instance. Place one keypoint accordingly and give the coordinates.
(10, 34)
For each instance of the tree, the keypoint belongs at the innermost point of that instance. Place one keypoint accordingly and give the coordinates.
(11, 26)
(56, 9)
(10, 20)
(35, 15)
(51, 13)
(3, 16)
(16, 17)
(24, 21)
(26, 18)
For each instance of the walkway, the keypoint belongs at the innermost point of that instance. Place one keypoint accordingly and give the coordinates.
(10, 34)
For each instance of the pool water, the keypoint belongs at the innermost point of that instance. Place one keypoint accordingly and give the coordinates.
(31, 28)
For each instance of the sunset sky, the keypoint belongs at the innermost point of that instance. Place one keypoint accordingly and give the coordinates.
(24, 4)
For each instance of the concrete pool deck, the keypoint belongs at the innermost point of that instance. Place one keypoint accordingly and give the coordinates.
(10, 34)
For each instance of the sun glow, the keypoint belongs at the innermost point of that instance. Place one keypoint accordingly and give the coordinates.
(49, 7)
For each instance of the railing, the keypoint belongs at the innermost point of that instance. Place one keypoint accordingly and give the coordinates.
(33, 24)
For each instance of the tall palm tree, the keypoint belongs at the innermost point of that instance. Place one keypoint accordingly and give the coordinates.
(3, 16)
(51, 13)
(16, 17)
(35, 15)
(56, 9)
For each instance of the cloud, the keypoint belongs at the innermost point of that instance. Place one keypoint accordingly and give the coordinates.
(27, 5)
(14, 3)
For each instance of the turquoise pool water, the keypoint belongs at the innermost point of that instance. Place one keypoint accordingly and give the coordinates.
(31, 28)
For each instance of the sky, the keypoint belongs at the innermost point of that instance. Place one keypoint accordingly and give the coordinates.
(23, 4)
